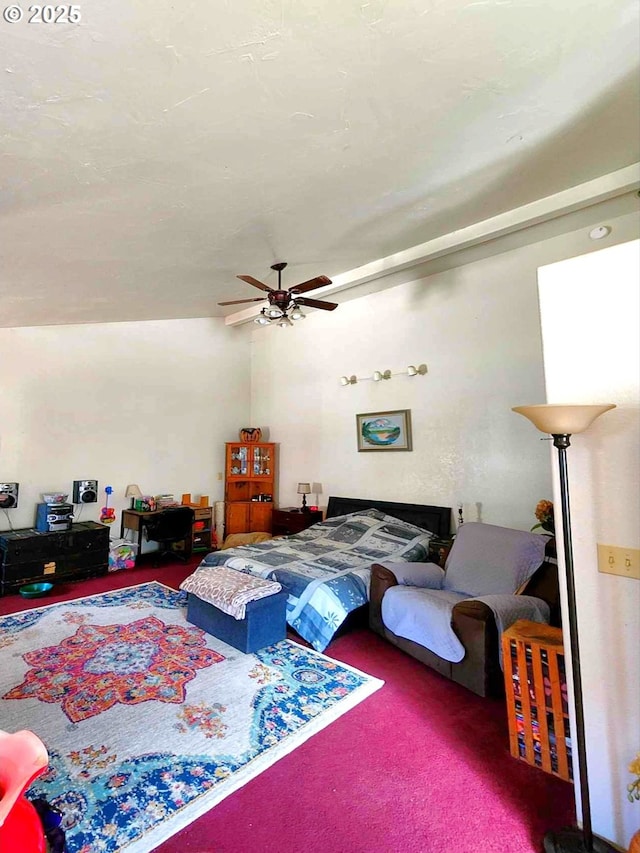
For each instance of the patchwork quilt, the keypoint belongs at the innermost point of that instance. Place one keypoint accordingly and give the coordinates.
(325, 569)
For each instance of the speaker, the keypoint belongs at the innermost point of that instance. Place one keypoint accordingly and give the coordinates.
(85, 491)
(8, 495)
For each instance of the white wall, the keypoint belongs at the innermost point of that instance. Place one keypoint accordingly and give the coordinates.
(591, 331)
(477, 327)
(149, 403)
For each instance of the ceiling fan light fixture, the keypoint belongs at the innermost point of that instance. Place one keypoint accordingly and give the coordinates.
(262, 319)
(284, 305)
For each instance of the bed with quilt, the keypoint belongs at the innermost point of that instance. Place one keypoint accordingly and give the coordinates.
(326, 568)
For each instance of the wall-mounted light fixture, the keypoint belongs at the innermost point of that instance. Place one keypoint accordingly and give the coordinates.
(412, 370)
(378, 375)
(348, 380)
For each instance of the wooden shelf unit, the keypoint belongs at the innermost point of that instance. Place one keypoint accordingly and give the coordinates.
(202, 532)
(536, 692)
(249, 491)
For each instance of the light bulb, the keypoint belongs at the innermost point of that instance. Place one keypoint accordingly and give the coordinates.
(284, 321)
(261, 319)
(297, 313)
(274, 312)
(412, 370)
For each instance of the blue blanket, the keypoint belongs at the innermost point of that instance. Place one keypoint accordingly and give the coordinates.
(326, 568)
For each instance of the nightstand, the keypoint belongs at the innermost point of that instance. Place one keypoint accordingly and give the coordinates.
(289, 520)
(438, 550)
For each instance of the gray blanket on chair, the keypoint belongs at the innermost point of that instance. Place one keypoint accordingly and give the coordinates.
(432, 628)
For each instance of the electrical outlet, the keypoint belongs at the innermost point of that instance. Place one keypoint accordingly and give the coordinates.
(219, 475)
(613, 560)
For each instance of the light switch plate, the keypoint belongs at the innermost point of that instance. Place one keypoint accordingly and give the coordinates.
(614, 560)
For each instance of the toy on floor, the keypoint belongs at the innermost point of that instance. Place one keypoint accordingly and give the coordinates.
(107, 513)
(122, 554)
(23, 757)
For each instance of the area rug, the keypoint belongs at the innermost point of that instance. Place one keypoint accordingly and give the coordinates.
(150, 721)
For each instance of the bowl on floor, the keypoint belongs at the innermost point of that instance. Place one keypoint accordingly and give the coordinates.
(35, 590)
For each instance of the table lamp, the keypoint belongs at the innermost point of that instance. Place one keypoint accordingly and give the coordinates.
(316, 489)
(132, 491)
(304, 489)
(561, 422)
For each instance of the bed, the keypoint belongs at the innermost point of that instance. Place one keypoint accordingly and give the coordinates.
(326, 568)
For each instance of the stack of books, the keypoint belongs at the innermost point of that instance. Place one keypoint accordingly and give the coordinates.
(163, 501)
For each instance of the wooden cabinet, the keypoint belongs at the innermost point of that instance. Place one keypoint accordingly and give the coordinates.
(291, 520)
(248, 517)
(536, 690)
(249, 487)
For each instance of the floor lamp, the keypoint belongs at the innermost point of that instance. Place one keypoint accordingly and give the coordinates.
(561, 422)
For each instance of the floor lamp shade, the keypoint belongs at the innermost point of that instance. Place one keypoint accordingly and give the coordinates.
(561, 422)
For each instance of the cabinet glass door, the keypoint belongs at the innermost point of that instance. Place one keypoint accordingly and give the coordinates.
(262, 462)
(239, 463)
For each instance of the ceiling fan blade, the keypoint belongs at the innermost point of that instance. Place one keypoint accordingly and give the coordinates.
(316, 303)
(254, 281)
(319, 281)
(239, 301)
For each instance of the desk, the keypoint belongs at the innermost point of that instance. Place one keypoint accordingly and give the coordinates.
(133, 519)
(200, 539)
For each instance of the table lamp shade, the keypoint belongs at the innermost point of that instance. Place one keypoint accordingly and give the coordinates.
(133, 491)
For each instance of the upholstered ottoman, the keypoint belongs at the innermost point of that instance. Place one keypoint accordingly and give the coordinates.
(264, 622)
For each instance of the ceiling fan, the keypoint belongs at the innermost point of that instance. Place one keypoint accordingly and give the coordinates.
(284, 305)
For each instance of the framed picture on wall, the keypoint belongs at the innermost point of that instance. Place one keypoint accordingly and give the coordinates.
(384, 430)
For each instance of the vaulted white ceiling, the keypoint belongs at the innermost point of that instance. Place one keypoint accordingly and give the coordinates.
(154, 150)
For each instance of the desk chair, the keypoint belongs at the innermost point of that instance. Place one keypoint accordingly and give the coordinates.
(173, 525)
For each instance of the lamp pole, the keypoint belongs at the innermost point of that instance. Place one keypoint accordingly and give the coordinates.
(551, 419)
(561, 442)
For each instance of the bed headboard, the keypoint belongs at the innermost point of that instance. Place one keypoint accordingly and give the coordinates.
(437, 519)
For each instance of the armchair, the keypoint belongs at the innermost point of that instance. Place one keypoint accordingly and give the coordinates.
(451, 619)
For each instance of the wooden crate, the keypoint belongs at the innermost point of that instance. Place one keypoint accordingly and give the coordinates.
(536, 691)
